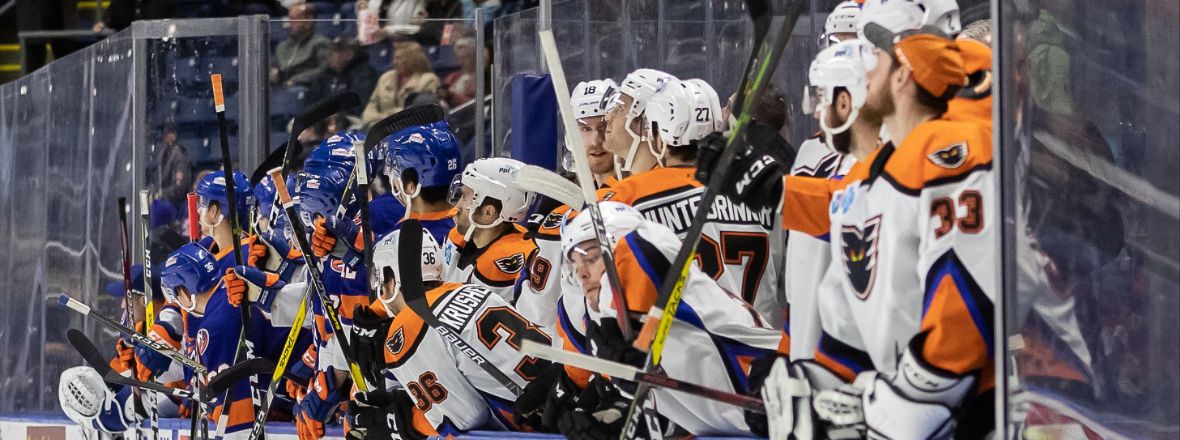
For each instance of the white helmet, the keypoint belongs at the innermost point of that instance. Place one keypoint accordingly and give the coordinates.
(619, 220)
(86, 400)
(494, 178)
(903, 15)
(640, 85)
(385, 255)
(587, 97)
(842, 20)
(684, 111)
(843, 64)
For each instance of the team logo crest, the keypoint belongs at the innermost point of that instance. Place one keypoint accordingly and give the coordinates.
(395, 343)
(825, 168)
(202, 341)
(860, 255)
(552, 221)
(511, 264)
(950, 157)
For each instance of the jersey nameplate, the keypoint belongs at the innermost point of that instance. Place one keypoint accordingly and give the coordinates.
(456, 310)
(676, 212)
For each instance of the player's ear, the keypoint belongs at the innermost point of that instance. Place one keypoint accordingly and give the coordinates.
(844, 103)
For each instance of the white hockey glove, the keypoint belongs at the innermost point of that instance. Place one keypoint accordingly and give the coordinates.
(86, 400)
(842, 409)
(916, 403)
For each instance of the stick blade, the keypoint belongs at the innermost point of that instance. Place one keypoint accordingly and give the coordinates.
(425, 114)
(409, 260)
(327, 107)
(89, 352)
(241, 370)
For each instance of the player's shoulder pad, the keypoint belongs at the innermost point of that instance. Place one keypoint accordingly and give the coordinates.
(504, 258)
(405, 334)
(550, 227)
(938, 152)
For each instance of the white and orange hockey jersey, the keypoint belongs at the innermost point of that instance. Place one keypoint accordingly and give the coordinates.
(495, 266)
(454, 393)
(914, 238)
(807, 256)
(713, 340)
(735, 247)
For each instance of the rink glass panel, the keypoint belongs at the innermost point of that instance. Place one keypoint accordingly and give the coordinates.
(66, 155)
(438, 38)
(1087, 135)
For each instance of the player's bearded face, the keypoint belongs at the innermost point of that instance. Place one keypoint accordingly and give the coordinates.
(879, 102)
(588, 267)
(593, 132)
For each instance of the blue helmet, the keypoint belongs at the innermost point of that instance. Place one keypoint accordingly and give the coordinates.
(320, 187)
(264, 197)
(190, 266)
(212, 189)
(431, 151)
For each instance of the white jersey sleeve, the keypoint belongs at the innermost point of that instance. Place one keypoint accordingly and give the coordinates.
(807, 257)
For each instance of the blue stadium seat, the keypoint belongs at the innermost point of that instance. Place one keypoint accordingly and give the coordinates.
(226, 66)
(286, 102)
(348, 10)
(442, 59)
(324, 8)
(380, 56)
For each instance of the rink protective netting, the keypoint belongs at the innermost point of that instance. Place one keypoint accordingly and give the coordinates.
(1086, 137)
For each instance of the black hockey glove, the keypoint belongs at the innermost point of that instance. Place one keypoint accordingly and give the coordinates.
(530, 408)
(754, 175)
(381, 415)
(759, 369)
(563, 396)
(608, 343)
(368, 340)
(600, 414)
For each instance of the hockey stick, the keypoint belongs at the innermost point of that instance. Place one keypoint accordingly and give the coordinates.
(92, 356)
(227, 377)
(314, 275)
(319, 111)
(194, 234)
(157, 346)
(409, 256)
(549, 184)
(245, 347)
(628, 373)
(129, 305)
(759, 71)
(278, 370)
(585, 178)
(149, 308)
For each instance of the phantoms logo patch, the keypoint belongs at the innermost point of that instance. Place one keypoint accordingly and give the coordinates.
(860, 255)
(950, 157)
(511, 264)
(396, 342)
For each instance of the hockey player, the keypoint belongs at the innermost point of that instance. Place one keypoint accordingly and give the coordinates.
(453, 393)
(541, 284)
(587, 100)
(421, 162)
(190, 279)
(714, 339)
(670, 114)
(336, 240)
(914, 229)
(487, 247)
(835, 97)
(213, 213)
(840, 24)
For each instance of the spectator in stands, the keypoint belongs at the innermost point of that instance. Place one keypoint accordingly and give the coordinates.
(407, 18)
(121, 13)
(297, 59)
(174, 171)
(459, 86)
(347, 68)
(411, 73)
